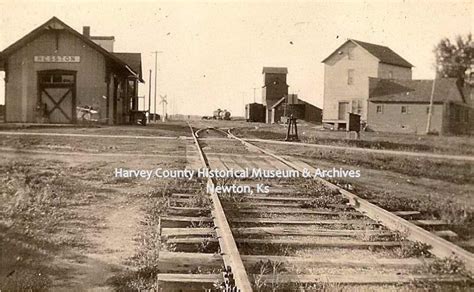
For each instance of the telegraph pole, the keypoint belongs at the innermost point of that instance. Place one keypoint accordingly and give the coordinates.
(149, 97)
(156, 71)
(430, 109)
(243, 101)
(156, 66)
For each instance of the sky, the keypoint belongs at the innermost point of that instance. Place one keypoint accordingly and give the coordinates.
(212, 52)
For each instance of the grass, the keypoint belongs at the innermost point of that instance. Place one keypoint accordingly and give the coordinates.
(145, 261)
(25, 280)
(410, 249)
(321, 195)
(35, 201)
(459, 217)
(374, 140)
(36, 205)
(95, 145)
(263, 268)
(170, 128)
(445, 170)
(325, 201)
(447, 266)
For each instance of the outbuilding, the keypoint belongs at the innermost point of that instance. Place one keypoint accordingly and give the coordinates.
(55, 74)
(404, 105)
(290, 105)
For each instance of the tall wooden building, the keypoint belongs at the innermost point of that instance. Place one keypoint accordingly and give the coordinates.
(274, 88)
(346, 78)
(55, 74)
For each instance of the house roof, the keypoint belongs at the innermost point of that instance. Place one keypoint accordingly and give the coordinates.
(414, 91)
(383, 53)
(278, 70)
(134, 60)
(305, 102)
(56, 23)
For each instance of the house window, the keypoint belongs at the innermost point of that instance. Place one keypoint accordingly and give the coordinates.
(390, 75)
(350, 76)
(379, 109)
(404, 109)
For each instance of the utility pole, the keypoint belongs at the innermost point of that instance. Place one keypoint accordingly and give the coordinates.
(430, 109)
(156, 73)
(149, 97)
(243, 101)
(164, 102)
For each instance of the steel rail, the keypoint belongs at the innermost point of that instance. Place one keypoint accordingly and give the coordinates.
(439, 246)
(229, 251)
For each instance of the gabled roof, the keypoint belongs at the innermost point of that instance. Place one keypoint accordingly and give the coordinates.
(56, 23)
(277, 70)
(414, 91)
(134, 60)
(300, 101)
(382, 53)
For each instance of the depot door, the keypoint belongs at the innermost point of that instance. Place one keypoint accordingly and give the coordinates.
(343, 109)
(57, 96)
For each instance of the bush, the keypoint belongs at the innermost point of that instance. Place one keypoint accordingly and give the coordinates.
(413, 249)
(450, 265)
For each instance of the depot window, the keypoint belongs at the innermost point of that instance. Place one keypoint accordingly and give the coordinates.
(57, 78)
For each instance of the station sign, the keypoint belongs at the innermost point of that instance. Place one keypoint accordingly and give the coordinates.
(57, 59)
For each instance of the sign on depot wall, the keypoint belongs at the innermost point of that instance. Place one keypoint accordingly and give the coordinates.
(57, 59)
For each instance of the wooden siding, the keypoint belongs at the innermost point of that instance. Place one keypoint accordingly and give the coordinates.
(397, 72)
(21, 88)
(391, 119)
(336, 88)
(365, 65)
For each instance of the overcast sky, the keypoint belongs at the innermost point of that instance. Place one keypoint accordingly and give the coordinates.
(213, 51)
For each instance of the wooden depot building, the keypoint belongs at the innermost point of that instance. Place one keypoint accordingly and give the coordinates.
(55, 74)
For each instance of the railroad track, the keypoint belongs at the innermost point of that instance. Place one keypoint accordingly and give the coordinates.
(301, 236)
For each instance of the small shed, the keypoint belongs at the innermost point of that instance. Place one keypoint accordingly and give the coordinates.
(291, 105)
(255, 112)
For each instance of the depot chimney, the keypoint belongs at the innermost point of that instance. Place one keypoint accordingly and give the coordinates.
(86, 31)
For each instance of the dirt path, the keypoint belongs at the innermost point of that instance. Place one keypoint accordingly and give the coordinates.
(111, 245)
(90, 135)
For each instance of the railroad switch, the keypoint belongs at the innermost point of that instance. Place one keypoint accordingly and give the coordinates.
(292, 133)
